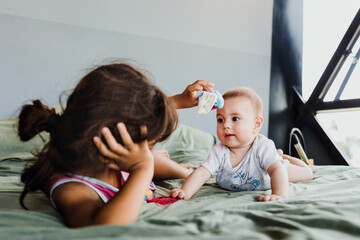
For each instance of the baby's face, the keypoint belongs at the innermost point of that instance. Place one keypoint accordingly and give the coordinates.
(236, 122)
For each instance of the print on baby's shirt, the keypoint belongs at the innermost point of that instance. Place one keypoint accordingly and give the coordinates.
(244, 178)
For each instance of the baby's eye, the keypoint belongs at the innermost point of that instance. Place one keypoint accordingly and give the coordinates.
(235, 119)
(220, 120)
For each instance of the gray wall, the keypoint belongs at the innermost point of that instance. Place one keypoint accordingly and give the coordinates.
(46, 46)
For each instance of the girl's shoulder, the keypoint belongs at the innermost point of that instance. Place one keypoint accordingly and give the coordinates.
(74, 199)
(71, 192)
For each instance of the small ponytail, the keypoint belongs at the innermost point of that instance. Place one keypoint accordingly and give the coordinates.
(35, 118)
(32, 120)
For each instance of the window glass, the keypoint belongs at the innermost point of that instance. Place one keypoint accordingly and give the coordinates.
(347, 82)
(344, 130)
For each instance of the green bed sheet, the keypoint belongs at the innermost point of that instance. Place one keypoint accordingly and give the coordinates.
(326, 208)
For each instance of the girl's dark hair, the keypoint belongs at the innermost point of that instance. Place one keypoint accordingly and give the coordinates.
(106, 96)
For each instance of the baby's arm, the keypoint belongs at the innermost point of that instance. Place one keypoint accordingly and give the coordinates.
(279, 183)
(192, 184)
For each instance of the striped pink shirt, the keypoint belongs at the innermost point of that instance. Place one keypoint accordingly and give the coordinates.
(104, 190)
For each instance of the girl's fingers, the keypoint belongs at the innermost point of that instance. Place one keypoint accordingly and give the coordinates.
(125, 136)
(195, 87)
(103, 149)
(202, 85)
(115, 150)
(143, 133)
(206, 85)
(143, 130)
(111, 141)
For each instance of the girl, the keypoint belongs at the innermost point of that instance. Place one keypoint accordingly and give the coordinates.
(115, 103)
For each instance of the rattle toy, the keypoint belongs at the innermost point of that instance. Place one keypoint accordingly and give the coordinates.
(208, 101)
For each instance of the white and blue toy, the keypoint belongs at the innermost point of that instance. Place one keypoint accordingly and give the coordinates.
(208, 101)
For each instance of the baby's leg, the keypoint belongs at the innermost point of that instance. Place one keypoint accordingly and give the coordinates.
(165, 168)
(297, 170)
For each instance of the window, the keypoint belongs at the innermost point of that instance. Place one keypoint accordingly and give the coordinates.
(331, 71)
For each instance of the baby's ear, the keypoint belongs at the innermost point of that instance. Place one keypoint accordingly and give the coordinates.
(258, 123)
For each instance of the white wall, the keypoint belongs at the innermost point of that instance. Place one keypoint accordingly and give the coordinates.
(46, 46)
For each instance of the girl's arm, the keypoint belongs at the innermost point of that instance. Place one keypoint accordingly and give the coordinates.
(188, 98)
(125, 206)
(81, 206)
(135, 158)
(279, 183)
(192, 184)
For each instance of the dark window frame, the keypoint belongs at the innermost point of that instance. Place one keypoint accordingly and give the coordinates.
(307, 110)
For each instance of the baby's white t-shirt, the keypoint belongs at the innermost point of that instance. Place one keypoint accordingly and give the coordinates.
(251, 172)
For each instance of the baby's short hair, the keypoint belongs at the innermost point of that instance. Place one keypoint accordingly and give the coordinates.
(250, 94)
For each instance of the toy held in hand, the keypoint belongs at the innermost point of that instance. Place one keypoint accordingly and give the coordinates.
(209, 101)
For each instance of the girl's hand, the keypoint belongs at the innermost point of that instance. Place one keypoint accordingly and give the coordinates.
(271, 197)
(188, 98)
(131, 156)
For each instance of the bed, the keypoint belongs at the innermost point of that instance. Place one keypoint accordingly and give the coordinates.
(326, 208)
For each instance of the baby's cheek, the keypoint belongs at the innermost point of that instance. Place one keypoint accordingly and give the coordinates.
(219, 133)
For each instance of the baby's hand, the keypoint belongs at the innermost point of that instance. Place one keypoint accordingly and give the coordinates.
(179, 193)
(271, 197)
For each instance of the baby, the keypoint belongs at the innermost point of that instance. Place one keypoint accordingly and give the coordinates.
(244, 159)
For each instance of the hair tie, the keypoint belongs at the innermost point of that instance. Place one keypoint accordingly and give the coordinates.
(52, 122)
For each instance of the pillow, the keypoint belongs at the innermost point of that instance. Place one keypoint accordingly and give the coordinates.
(185, 145)
(188, 145)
